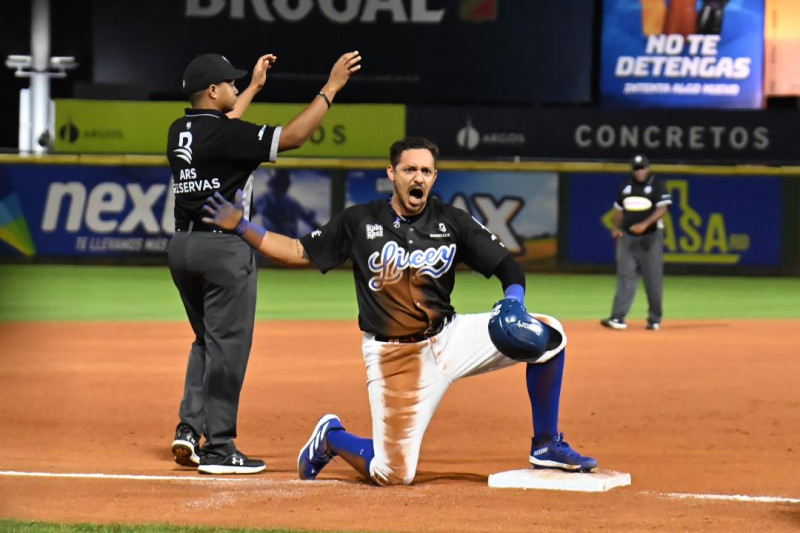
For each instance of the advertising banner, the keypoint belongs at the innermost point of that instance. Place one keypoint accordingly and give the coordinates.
(55, 210)
(95, 126)
(712, 220)
(520, 208)
(666, 135)
(460, 51)
(80, 210)
(291, 202)
(682, 53)
(781, 76)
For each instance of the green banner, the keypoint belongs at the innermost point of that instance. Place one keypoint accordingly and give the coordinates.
(116, 127)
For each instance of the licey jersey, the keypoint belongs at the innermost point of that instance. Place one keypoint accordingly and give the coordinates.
(404, 268)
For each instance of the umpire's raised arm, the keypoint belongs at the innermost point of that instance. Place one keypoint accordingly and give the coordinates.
(300, 128)
(257, 81)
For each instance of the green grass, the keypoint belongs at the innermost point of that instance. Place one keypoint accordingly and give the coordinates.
(41, 527)
(84, 293)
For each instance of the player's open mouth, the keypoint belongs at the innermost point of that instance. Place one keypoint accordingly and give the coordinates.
(415, 194)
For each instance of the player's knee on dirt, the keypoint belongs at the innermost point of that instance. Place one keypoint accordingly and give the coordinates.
(385, 480)
(396, 474)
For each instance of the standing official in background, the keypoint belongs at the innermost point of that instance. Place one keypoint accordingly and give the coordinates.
(638, 231)
(210, 150)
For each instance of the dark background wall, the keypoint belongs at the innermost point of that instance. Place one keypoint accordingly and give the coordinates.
(521, 74)
(71, 31)
(539, 53)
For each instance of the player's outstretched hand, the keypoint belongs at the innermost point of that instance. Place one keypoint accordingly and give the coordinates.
(224, 214)
(344, 67)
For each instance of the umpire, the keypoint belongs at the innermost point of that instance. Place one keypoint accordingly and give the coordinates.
(211, 150)
(638, 230)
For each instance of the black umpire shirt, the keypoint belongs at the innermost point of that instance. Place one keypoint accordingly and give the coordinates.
(404, 269)
(638, 201)
(209, 152)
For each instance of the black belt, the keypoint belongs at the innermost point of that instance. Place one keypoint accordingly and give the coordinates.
(406, 339)
(195, 225)
(417, 337)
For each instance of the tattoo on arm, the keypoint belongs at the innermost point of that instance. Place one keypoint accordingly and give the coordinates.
(300, 249)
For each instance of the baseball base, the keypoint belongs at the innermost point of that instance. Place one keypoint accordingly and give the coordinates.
(530, 478)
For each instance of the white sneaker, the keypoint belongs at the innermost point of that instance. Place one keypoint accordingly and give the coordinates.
(614, 323)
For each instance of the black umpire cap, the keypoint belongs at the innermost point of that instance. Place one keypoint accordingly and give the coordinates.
(207, 69)
(639, 161)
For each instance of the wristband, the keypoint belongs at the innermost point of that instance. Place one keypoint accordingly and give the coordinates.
(325, 97)
(242, 227)
(515, 292)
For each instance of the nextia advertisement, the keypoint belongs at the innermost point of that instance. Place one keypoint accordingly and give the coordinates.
(116, 211)
(55, 210)
(683, 53)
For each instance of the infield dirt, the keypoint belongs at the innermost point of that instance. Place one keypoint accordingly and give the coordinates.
(698, 408)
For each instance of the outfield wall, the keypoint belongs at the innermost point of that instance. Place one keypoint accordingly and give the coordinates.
(552, 216)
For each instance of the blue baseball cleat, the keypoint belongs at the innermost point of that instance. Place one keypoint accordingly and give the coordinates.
(315, 454)
(556, 453)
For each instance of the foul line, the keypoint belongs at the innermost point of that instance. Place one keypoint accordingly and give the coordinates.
(730, 497)
(183, 479)
(188, 479)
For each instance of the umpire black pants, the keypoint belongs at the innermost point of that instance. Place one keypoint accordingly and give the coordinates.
(639, 255)
(216, 275)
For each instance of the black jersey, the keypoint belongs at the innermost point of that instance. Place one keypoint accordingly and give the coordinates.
(404, 269)
(209, 152)
(638, 200)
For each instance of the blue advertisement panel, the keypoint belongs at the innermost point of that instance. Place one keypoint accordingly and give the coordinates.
(292, 202)
(521, 208)
(79, 210)
(107, 211)
(682, 53)
(712, 220)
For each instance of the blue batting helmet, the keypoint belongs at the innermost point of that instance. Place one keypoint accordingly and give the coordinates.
(518, 335)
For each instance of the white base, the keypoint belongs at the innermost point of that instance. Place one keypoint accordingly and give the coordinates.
(551, 479)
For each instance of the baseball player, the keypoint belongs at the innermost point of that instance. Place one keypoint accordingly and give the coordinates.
(211, 150)
(404, 251)
(281, 212)
(641, 203)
